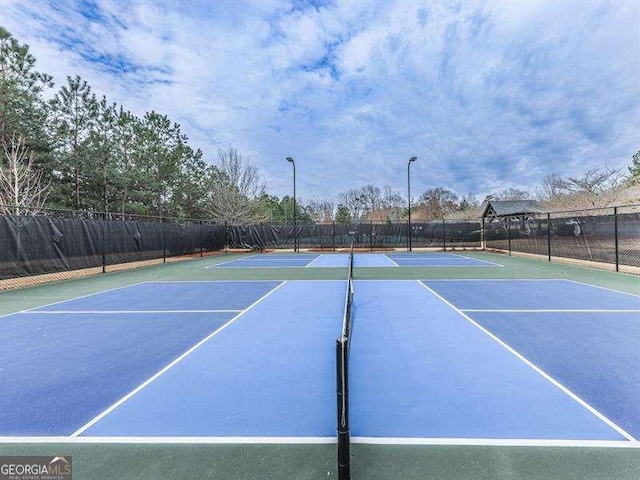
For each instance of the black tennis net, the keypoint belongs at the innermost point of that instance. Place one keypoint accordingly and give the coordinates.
(342, 378)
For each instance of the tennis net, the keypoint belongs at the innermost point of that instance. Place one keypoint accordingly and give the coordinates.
(342, 378)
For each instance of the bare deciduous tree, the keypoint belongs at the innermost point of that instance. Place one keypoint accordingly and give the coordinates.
(320, 210)
(234, 188)
(21, 184)
(436, 203)
(596, 188)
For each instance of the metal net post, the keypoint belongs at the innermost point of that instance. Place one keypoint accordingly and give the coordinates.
(342, 390)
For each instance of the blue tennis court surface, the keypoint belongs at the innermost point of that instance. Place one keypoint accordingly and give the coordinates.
(278, 260)
(437, 259)
(588, 338)
(484, 359)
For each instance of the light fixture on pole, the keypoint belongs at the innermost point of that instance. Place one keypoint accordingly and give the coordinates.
(295, 226)
(411, 160)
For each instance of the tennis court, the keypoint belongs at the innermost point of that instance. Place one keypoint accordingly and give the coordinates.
(245, 368)
(333, 260)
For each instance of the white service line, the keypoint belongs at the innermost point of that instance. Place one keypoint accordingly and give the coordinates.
(549, 311)
(314, 260)
(480, 260)
(497, 442)
(172, 440)
(210, 281)
(410, 257)
(392, 261)
(280, 259)
(496, 280)
(169, 366)
(604, 288)
(490, 442)
(544, 374)
(74, 298)
(244, 267)
(230, 261)
(98, 312)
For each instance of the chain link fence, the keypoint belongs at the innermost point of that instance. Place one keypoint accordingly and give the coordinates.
(601, 237)
(50, 243)
(334, 236)
(53, 244)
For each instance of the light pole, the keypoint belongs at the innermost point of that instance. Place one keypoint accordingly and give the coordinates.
(295, 226)
(411, 160)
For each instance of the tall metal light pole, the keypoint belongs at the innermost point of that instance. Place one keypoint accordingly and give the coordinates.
(411, 160)
(295, 226)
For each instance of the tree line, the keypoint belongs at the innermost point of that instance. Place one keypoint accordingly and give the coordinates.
(68, 148)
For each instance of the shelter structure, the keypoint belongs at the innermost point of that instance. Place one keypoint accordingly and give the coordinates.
(517, 210)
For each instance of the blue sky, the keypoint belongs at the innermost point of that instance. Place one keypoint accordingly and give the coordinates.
(487, 95)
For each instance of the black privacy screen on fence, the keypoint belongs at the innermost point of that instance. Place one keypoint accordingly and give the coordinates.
(39, 244)
(366, 235)
(53, 241)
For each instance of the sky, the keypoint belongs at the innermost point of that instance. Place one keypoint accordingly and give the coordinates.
(488, 95)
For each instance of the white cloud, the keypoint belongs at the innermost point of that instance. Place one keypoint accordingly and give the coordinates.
(487, 95)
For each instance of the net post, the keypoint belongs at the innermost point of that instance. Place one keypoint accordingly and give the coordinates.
(509, 233)
(342, 397)
(482, 237)
(615, 237)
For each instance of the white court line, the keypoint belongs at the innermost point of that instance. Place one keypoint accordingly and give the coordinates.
(453, 256)
(604, 288)
(230, 261)
(172, 440)
(279, 259)
(491, 442)
(99, 312)
(549, 311)
(544, 374)
(409, 257)
(496, 280)
(73, 298)
(272, 267)
(256, 281)
(211, 281)
(314, 260)
(169, 366)
(480, 260)
(448, 266)
(392, 261)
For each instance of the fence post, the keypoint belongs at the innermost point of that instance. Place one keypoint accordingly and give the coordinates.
(226, 237)
(482, 238)
(371, 235)
(549, 237)
(201, 240)
(444, 236)
(408, 236)
(163, 222)
(333, 235)
(615, 237)
(104, 242)
(509, 233)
